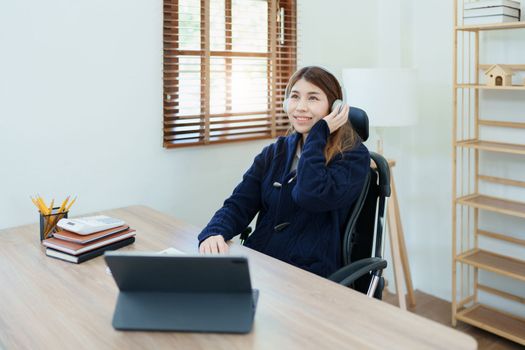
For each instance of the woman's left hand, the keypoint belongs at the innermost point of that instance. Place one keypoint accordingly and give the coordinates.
(337, 119)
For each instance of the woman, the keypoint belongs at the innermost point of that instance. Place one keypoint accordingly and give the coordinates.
(302, 185)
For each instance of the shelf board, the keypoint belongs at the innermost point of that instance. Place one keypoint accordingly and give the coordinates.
(494, 26)
(492, 262)
(493, 146)
(498, 205)
(497, 123)
(511, 66)
(502, 181)
(486, 87)
(501, 293)
(505, 325)
(501, 237)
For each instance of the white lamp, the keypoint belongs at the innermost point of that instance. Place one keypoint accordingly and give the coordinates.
(388, 95)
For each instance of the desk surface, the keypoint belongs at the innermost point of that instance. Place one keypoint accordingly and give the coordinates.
(48, 303)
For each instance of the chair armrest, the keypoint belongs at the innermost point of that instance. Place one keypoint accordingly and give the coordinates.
(384, 173)
(349, 273)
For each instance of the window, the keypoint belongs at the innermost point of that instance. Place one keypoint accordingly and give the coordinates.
(226, 65)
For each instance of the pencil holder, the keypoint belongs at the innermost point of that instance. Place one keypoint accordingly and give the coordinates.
(48, 223)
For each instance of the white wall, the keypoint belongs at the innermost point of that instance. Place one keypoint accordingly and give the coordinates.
(81, 114)
(426, 203)
(337, 34)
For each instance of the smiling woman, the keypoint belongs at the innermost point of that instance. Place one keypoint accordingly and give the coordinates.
(301, 186)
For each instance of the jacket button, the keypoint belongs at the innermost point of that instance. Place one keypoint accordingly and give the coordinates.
(277, 185)
(281, 226)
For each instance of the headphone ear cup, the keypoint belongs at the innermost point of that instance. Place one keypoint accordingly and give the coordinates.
(336, 105)
(285, 106)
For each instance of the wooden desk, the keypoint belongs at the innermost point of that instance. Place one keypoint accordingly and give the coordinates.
(48, 303)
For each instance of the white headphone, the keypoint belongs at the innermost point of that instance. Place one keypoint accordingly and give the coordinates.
(338, 104)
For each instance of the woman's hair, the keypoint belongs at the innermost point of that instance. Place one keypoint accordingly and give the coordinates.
(344, 138)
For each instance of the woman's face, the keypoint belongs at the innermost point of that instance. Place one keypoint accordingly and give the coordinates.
(307, 104)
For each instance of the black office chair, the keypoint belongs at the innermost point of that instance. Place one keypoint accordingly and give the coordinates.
(362, 262)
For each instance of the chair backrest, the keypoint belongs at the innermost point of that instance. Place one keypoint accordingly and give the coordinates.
(359, 121)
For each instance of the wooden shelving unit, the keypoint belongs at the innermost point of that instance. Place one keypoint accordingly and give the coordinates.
(468, 201)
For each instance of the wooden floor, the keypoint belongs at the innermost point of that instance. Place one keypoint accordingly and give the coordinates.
(440, 311)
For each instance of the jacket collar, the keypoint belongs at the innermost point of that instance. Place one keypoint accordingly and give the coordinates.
(291, 148)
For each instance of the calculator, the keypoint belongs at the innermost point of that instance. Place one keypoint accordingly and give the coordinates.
(89, 224)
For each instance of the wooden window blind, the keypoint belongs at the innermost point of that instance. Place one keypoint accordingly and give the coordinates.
(226, 65)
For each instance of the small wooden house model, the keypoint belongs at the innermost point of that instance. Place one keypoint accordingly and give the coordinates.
(498, 75)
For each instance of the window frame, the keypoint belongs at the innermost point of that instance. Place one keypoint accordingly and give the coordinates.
(281, 56)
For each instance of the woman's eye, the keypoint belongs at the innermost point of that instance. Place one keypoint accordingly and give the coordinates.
(313, 98)
(294, 97)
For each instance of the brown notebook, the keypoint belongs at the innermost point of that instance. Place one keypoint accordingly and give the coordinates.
(83, 239)
(76, 249)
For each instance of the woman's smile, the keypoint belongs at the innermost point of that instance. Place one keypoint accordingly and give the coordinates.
(302, 118)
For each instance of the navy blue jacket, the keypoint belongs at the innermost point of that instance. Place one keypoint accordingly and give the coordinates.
(301, 221)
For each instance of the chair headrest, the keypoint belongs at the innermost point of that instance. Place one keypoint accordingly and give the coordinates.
(359, 120)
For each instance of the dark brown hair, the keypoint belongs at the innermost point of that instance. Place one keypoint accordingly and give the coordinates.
(343, 139)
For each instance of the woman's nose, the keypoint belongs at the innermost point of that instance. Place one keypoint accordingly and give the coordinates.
(301, 105)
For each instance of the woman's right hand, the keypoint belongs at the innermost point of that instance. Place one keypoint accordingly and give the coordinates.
(337, 118)
(214, 244)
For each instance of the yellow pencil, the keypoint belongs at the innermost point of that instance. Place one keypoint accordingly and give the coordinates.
(52, 221)
(43, 207)
(35, 202)
(51, 206)
(62, 207)
(39, 201)
(70, 204)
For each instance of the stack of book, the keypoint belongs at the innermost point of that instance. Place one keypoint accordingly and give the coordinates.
(76, 248)
(491, 11)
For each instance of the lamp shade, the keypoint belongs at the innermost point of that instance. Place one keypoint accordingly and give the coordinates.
(388, 95)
